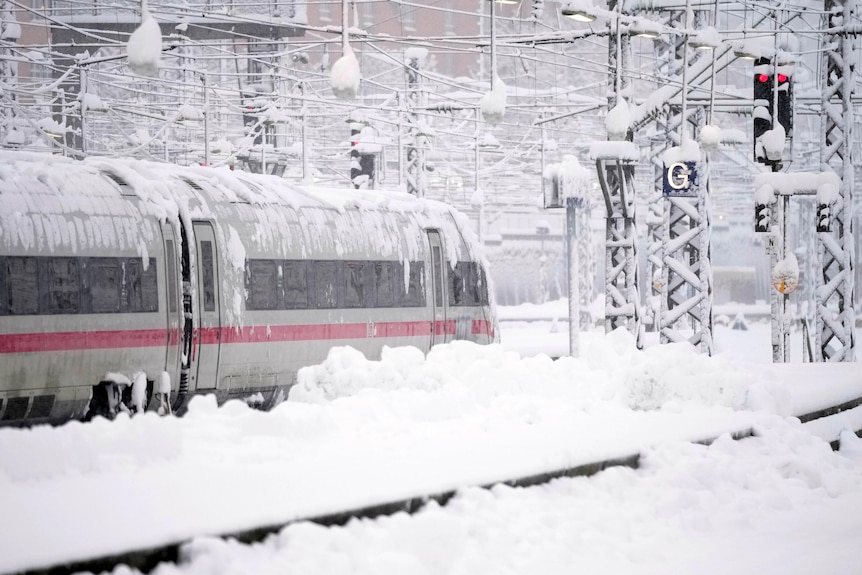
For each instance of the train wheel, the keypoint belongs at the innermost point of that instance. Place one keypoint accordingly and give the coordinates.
(100, 403)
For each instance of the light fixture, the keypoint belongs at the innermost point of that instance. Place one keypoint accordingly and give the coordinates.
(699, 46)
(51, 128)
(505, 1)
(579, 10)
(705, 39)
(577, 15)
(744, 54)
(744, 50)
(645, 28)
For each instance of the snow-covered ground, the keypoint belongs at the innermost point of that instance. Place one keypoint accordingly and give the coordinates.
(358, 432)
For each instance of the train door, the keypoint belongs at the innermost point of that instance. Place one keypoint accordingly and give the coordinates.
(207, 336)
(438, 281)
(172, 297)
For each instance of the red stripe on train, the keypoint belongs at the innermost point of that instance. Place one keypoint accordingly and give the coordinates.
(117, 339)
(316, 332)
(75, 340)
(482, 327)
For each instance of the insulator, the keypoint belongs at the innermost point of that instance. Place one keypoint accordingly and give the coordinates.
(537, 10)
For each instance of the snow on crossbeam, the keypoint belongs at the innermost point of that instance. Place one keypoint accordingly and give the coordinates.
(825, 184)
(614, 151)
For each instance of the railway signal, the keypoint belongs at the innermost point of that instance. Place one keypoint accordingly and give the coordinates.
(773, 99)
(363, 162)
(761, 217)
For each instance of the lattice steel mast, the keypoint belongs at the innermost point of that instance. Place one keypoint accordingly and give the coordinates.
(835, 317)
(616, 176)
(686, 304)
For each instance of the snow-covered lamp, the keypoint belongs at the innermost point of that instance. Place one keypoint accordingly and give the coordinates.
(785, 274)
(345, 75)
(493, 103)
(649, 34)
(706, 39)
(618, 121)
(579, 11)
(51, 127)
(145, 45)
(710, 137)
(745, 51)
(645, 29)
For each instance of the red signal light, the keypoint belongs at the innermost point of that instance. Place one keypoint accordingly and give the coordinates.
(763, 78)
(782, 78)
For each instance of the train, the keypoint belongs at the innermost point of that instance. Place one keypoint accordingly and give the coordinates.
(129, 284)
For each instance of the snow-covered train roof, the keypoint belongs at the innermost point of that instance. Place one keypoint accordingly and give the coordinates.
(50, 202)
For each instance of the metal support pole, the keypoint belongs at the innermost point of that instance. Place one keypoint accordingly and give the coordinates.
(415, 152)
(82, 91)
(622, 299)
(345, 24)
(586, 261)
(8, 66)
(686, 284)
(616, 176)
(493, 43)
(206, 114)
(572, 268)
(476, 180)
(785, 297)
(306, 174)
(659, 142)
(835, 313)
(775, 247)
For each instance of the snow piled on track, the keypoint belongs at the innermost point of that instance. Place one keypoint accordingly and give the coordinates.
(781, 503)
(356, 432)
(610, 369)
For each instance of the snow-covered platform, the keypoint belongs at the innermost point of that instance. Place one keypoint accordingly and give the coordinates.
(358, 433)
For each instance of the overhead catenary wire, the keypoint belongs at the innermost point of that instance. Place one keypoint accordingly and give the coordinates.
(548, 88)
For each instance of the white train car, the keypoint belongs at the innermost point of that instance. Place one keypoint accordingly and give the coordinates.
(221, 282)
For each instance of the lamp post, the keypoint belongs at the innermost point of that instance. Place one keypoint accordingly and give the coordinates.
(206, 120)
(494, 102)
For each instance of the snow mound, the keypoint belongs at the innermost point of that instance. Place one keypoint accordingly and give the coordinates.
(44, 452)
(610, 369)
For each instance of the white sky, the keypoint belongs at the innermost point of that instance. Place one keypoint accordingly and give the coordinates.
(360, 432)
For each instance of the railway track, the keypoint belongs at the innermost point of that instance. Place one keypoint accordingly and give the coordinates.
(146, 560)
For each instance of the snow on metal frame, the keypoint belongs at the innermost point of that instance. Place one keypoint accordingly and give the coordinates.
(50, 204)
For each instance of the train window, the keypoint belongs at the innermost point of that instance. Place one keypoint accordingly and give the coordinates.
(326, 284)
(4, 293)
(104, 285)
(384, 284)
(357, 284)
(467, 285)
(208, 271)
(22, 287)
(63, 285)
(151, 287)
(459, 279)
(171, 257)
(295, 285)
(481, 285)
(437, 261)
(262, 290)
(415, 296)
(142, 286)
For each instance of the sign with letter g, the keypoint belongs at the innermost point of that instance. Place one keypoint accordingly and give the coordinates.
(680, 180)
